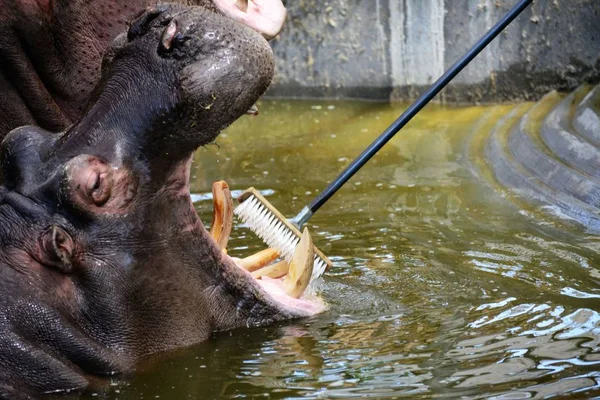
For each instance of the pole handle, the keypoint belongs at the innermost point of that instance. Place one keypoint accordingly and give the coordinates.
(411, 111)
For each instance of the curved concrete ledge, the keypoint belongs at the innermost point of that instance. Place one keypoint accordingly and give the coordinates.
(543, 158)
(587, 117)
(568, 147)
(548, 169)
(512, 175)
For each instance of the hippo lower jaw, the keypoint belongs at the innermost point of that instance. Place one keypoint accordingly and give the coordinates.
(275, 294)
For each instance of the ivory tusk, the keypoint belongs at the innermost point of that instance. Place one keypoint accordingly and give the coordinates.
(275, 271)
(258, 260)
(301, 267)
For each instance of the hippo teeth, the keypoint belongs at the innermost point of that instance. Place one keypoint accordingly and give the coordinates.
(259, 260)
(294, 275)
(275, 271)
(301, 266)
(252, 110)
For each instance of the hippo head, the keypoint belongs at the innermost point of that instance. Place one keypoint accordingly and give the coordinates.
(103, 258)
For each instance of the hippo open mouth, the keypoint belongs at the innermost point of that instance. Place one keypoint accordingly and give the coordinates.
(102, 252)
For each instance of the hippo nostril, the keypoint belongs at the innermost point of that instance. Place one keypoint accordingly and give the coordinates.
(172, 37)
(169, 34)
(141, 23)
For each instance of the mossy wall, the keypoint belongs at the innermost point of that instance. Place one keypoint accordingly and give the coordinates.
(393, 49)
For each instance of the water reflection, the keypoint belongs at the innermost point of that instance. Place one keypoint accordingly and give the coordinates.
(537, 342)
(444, 284)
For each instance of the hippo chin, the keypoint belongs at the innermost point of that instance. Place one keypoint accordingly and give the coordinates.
(103, 259)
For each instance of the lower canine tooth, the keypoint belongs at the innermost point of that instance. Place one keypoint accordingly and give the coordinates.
(301, 267)
(258, 260)
(275, 271)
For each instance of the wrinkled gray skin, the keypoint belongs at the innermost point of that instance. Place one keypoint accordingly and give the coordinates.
(103, 259)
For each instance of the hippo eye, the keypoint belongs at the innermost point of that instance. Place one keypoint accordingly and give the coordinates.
(98, 188)
(92, 185)
(88, 181)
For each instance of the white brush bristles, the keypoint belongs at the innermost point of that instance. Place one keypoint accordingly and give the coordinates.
(273, 232)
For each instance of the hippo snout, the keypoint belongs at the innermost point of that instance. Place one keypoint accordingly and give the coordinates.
(174, 81)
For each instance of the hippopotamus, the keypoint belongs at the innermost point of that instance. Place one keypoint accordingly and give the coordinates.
(103, 259)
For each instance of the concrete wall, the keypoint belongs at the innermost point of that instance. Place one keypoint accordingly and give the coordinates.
(393, 49)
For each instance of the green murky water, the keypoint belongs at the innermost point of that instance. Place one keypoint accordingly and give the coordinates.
(444, 284)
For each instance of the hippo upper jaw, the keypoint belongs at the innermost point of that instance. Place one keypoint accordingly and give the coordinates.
(131, 266)
(172, 84)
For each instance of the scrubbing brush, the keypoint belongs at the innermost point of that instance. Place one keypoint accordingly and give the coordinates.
(271, 226)
(274, 229)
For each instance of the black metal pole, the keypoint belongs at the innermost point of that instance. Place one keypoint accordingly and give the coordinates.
(421, 102)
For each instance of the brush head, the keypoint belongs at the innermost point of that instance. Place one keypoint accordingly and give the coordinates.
(274, 229)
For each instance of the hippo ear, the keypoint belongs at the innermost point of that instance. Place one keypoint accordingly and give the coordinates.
(56, 249)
